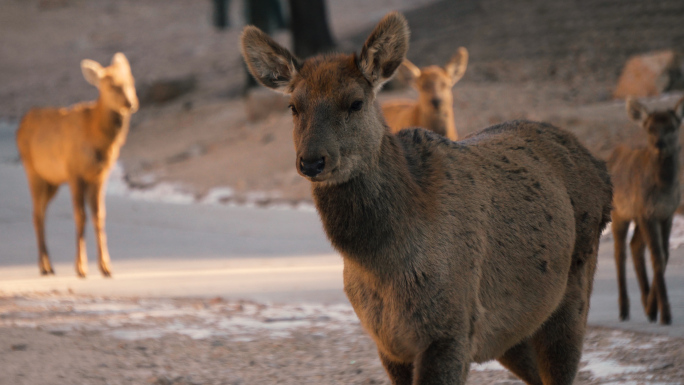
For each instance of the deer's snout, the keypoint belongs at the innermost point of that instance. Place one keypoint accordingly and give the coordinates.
(311, 167)
(660, 144)
(436, 102)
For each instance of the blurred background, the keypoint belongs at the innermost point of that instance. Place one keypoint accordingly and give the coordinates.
(205, 276)
(559, 61)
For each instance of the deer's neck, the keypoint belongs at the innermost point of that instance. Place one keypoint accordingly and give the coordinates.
(367, 216)
(109, 126)
(440, 121)
(668, 168)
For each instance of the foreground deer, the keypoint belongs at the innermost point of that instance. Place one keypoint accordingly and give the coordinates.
(647, 192)
(453, 251)
(434, 108)
(78, 145)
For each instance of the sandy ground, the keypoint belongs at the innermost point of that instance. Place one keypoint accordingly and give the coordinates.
(105, 340)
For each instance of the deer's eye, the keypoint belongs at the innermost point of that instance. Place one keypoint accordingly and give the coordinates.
(356, 105)
(293, 109)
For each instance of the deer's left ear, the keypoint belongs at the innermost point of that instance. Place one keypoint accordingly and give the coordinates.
(384, 49)
(456, 67)
(679, 109)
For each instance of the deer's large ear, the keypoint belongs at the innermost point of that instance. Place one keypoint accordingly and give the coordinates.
(636, 111)
(92, 71)
(121, 62)
(456, 67)
(384, 49)
(269, 63)
(679, 109)
(409, 71)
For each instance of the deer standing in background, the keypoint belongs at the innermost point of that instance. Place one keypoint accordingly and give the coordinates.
(647, 192)
(434, 109)
(78, 145)
(453, 251)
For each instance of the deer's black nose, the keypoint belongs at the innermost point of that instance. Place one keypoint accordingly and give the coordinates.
(311, 167)
(436, 102)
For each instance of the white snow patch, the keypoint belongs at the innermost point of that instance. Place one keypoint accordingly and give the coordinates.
(487, 366)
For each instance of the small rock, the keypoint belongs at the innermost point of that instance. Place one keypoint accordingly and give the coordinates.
(19, 347)
(164, 90)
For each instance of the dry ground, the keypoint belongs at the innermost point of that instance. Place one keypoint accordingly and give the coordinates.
(67, 339)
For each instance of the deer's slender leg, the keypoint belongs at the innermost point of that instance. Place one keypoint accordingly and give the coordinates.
(443, 362)
(97, 210)
(77, 187)
(657, 298)
(41, 192)
(638, 247)
(521, 360)
(620, 227)
(666, 227)
(399, 373)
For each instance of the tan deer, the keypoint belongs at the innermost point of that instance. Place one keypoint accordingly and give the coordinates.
(647, 192)
(78, 145)
(434, 108)
(453, 251)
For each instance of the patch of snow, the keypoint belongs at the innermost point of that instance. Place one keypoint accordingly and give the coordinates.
(602, 367)
(487, 366)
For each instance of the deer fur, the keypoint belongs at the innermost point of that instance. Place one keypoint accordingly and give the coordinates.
(453, 251)
(434, 109)
(78, 146)
(647, 193)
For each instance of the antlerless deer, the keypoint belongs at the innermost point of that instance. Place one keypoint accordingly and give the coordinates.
(647, 192)
(78, 145)
(453, 252)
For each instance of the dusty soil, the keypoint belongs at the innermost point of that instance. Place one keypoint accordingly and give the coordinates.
(62, 338)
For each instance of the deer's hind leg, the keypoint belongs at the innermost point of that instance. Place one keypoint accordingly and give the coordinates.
(638, 246)
(521, 360)
(42, 193)
(77, 187)
(620, 227)
(97, 209)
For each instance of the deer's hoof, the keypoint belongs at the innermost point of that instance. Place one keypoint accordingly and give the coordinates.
(47, 271)
(665, 317)
(624, 312)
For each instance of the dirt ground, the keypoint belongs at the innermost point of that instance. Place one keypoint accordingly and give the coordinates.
(67, 339)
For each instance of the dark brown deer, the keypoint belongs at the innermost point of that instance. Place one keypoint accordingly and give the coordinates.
(78, 145)
(453, 251)
(647, 192)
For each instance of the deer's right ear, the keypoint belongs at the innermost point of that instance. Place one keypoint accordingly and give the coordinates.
(384, 49)
(269, 63)
(92, 71)
(636, 111)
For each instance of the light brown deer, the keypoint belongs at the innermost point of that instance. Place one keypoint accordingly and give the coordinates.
(434, 108)
(647, 192)
(453, 251)
(78, 145)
